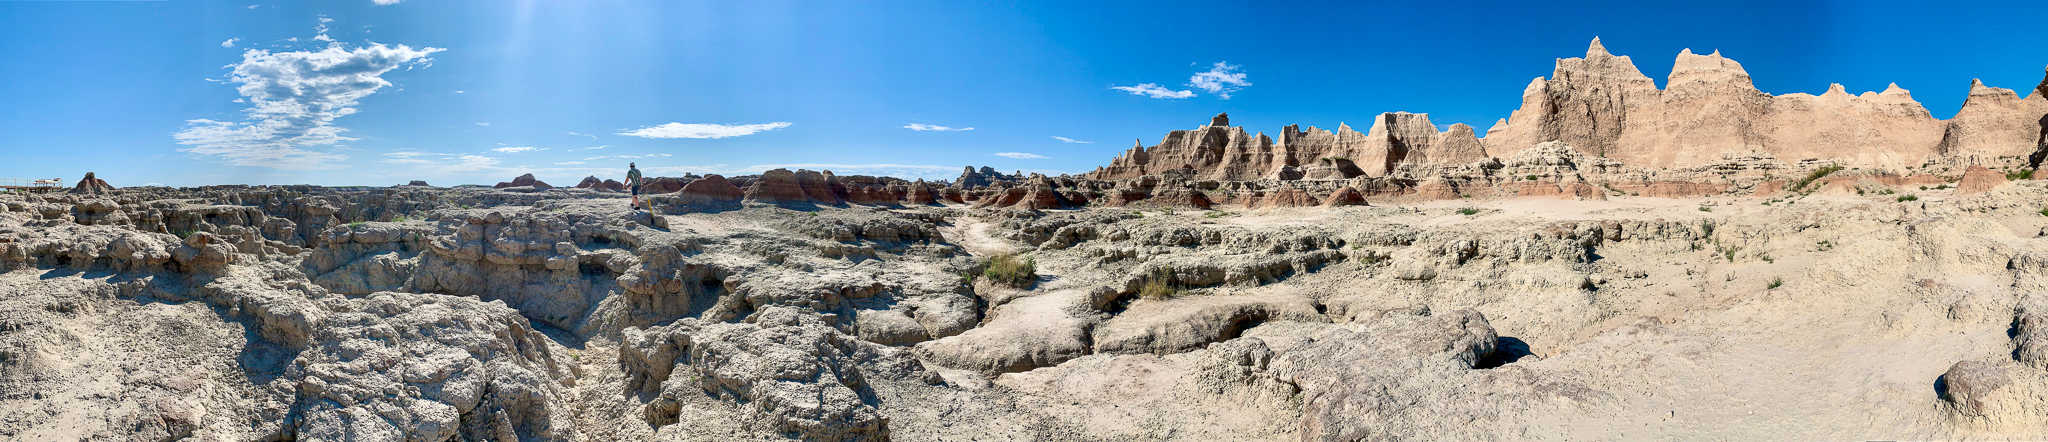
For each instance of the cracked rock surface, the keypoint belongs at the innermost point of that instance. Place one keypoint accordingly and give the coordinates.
(419, 313)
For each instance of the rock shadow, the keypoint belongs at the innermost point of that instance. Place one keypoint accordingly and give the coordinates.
(1506, 350)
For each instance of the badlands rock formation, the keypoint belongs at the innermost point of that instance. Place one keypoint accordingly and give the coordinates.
(1708, 113)
(1614, 261)
(91, 185)
(410, 313)
(527, 181)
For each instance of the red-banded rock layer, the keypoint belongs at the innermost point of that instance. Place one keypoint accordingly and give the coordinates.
(1977, 179)
(91, 185)
(1346, 196)
(1286, 197)
(711, 189)
(525, 180)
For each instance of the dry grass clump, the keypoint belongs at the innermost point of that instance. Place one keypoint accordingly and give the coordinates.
(1011, 270)
(1817, 174)
(1159, 286)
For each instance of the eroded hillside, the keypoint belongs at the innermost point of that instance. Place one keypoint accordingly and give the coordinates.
(266, 313)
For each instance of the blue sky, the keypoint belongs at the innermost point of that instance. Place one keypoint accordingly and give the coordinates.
(456, 92)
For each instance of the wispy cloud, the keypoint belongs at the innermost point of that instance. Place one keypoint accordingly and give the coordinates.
(295, 97)
(568, 163)
(597, 147)
(483, 124)
(703, 130)
(408, 157)
(580, 134)
(1155, 91)
(384, 2)
(921, 127)
(460, 92)
(1071, 140)
(229, 43)
(627, 157)
(518, 149)
(1021, 156)
(1221, 79)
(254, 6)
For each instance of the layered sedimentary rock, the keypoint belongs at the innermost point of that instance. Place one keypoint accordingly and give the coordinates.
(1995, 123)
(1708, 114)
(592, 183)
(91, 185)
(971, 178)
(1230, 153)
(526, 180)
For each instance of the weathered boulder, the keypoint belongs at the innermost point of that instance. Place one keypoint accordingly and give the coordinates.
(794, 373)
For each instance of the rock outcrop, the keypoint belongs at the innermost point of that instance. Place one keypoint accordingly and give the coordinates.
(526, 180)
(91, 185)
(712, 189)
(592, 183)
(1709, 114)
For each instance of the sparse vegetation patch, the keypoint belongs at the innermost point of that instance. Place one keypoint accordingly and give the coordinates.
(1800, 186)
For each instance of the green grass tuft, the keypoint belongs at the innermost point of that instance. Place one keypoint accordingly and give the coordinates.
(1800, 186)
(1468, 211)
(1158, 286)
(1775, 283)
(1011, 270)
(1905, 198)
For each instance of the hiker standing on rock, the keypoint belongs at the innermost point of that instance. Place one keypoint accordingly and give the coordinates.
(633, 182)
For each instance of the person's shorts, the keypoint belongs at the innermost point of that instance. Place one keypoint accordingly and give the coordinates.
(636, 190)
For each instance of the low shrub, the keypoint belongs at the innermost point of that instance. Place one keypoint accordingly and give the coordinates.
(1011, 270)
(1800, 185)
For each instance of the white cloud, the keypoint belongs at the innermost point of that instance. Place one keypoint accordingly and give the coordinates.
(470, 163)
(384, 2)
(295, 97)
(569, 163)
(703, 130)
(483, 124)
(1221, 80)
(460, 92)
(580, 134)
(1071, 140)
(921, 127)
(254, 6)
(229, 43)
(321, 29)
(518, 149)
(628, 157)
(597, 147)
(409, 157)
(1154, 90)
(1021, 156)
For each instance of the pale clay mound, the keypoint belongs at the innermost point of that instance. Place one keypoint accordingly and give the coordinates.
(412, 313)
